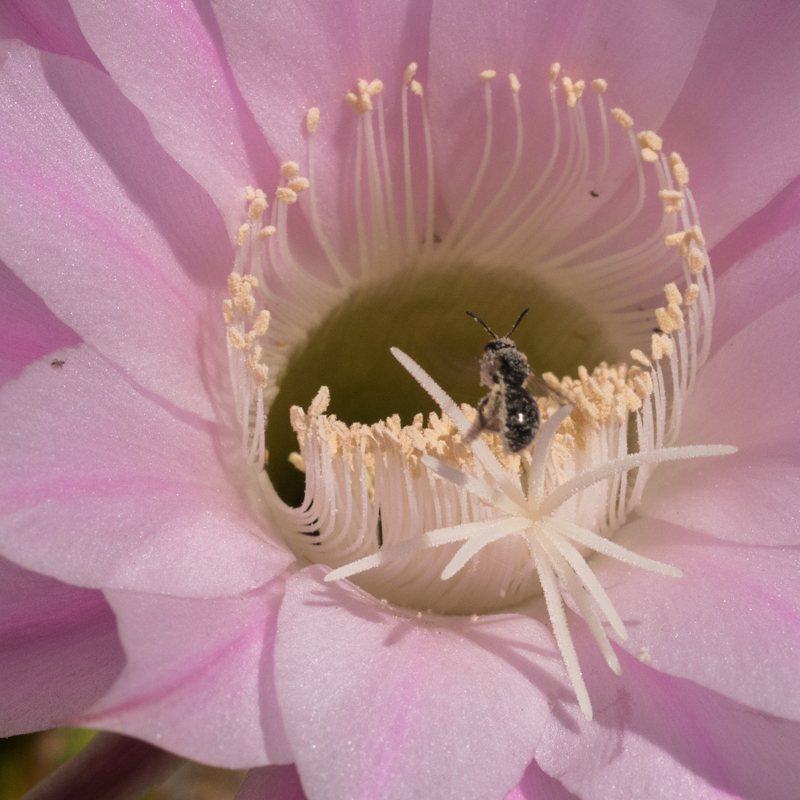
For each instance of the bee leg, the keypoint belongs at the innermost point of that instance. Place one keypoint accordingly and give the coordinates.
(481, 422)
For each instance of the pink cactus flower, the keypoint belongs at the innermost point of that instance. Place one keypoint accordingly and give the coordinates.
(215, 221)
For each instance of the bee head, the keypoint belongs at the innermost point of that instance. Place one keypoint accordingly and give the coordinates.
(502, 360)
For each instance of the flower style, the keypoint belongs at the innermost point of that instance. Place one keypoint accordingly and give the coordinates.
(425, 622)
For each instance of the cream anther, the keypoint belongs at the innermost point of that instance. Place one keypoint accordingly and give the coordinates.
(227, 311)
(624, 119)
(638, 355)
(360, 103)
(289, 169)
(679, 170)
(249, 193)
(552, 72)
(286, 195)
(488, 74)
(649, 155)
(697, 235)
(319, 405)
(298, 185)
(261, 324)
(599, 85)
(312, 119)
(266, 232)
(237, 340)
(695, 260)
(578, 88)
(691, 295)
(571, 91)
(416, 88)
(673, 201)
(375, 87)
(296, 460)
(681, 238)
(672, 293)
(650, 139)
(513, 82)
(257, 207)
(363, 86)
(242, 234)
(409, 72)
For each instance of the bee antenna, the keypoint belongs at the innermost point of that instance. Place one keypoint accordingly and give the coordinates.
(475, 316)
(521, 316)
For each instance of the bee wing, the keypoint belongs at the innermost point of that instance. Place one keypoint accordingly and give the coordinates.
(539, 387)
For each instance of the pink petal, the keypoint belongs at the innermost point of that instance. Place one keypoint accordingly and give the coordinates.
(732, 124)
(59, 650)
(731, 623)
(103, 485)
(272, 783)
(199, 677)
(658, 737)
(332, 45)
(167, 58)
(48, 25)
(380, 703)
(757, 283)
(745, 396)
(644, 51)
(28, 329)
(116, 239)
(536, 784)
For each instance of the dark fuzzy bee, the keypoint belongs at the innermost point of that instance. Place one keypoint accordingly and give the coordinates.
(509, 409)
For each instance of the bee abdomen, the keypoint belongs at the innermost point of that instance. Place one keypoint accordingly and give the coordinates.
(522, 418)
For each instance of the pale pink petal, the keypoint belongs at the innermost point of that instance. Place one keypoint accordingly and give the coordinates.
(760, 281)
(28, 329)
(643, 50)
(103, 485)
(199, 677)
(46, 24)
(536, 784)
(658, 737)
(731, 623)
(272, 783)
(330, 47)
(745, 396)
(167, 58)
(380, 703)
(735, 115)
(119, 242)
(59, 650)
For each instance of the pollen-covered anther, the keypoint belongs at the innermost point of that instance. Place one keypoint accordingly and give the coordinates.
(513, 82)
(553, 70)
(681, 239)
(488, 74)
(374, 87)
(638, 355)
(661, 345)
(650, 139)
(416, 88)
(695, 261)
(289, 169)
(672, 293)
(286, 195)
(691, 294)
(409, 72)
(266, 232)
(298, 185)
(361, 103)
(227, 312)
(599, 85)
(312, 119)
(258, 205)
(679, 170)
(573, 91)
(623, 118)
(261, 324)
(669, 318)
(697, 235)
(648, 155)
(237, 339)
(242, 234)
(673, 200)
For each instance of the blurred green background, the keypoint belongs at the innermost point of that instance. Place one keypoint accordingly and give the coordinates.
(26, 760)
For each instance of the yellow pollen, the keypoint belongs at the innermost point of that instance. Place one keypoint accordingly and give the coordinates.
(298, 185)
(286, 195)
(679, 169)
(578, 88)
(416, 87)
(552, 72)
(249, 193)
(513, 82)
(649, 155)
(227, 311)
(261, 324)
(488, 74)
(692, 292)
(360, 103)
(409, 72)
(696, 261)
(289, 169)
(363, 86)
(266, 232)
(673, 201)
(296, 460)
(676, 239)
(375, 87)
(599, 85)
(312, 119)
(257, 207)
(697, 235)
(672, 293)
(624, 119)
(242, 234)
(237, 339)
(650, 139)
(638, 355)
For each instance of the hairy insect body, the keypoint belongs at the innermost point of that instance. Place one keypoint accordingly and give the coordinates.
(509, 409)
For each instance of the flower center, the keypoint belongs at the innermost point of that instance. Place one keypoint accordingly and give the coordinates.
(427, 516)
